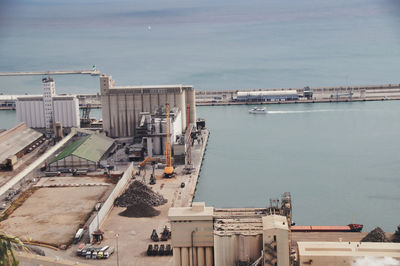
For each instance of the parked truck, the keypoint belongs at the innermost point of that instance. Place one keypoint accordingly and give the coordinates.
(78, 235)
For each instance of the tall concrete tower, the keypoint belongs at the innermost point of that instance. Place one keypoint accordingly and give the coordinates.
(48, 93)
(275, 240)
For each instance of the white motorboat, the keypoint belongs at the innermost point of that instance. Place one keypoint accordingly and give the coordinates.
(258, 110)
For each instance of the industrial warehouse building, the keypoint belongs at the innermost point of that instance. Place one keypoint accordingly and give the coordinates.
(122, 105)
(85, 152)
(16, 142)
(267, 96)
(206, 236)
(152, 129)
(45, 110)
(31, 111)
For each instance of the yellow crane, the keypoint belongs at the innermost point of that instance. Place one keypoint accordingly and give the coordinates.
(169, 169)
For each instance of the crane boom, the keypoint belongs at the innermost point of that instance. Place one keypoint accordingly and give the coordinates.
(168, 170)
(143, 163)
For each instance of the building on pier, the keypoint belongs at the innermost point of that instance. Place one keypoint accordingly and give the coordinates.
(206, 236)
(122, 105)
(267, 96)
(43, 111)
(152, 130)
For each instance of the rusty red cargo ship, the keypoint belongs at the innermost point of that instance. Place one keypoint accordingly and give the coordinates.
(323, 228)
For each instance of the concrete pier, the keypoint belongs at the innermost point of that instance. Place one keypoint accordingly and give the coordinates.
(320, 94)
(195, 176)
(60, 72)
(327, 100)
(226, 97)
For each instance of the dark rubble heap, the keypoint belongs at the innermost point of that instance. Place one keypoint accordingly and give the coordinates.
(140, 210)
(396, 236)
(376, 235)
(138, 193)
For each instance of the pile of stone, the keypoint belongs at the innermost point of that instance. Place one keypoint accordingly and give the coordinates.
(140, 210)
(376, 235)
(139, 193)
(396, 236)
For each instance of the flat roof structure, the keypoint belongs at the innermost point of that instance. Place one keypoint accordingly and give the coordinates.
(348, 249)
(247, 222)
(152, 87)
(198, 212)
(266, 93)
(4, 97)
(16, 139)
(40, 97)
(275, 222)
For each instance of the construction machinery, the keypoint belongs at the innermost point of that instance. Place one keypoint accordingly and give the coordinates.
(135, 152)
(169, 169)
(165, 234)
(152, 176)
(154, 236)
(142, 166)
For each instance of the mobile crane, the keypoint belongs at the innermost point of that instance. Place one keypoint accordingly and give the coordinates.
(169, 169)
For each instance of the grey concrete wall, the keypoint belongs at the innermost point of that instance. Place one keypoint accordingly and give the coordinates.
(109, 203)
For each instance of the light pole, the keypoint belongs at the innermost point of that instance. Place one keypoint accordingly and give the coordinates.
(117, 235)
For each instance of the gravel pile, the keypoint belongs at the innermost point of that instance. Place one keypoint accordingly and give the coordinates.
(396, 236)
(139, 193)
(140, 210)
(376, 235)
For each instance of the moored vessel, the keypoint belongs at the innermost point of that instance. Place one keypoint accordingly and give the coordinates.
(328, 228)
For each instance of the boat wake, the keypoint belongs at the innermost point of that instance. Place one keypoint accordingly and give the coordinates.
(305, 111)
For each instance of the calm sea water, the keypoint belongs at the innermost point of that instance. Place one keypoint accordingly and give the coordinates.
(209, 44)
(340, 161)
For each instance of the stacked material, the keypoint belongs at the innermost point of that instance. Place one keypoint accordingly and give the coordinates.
(140, 210)
(138, 192)
(376, 235)
(396, 236)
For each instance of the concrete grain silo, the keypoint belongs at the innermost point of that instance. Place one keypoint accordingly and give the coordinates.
(121, 105)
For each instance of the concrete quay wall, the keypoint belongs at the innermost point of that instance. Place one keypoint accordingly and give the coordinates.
(197, 166)
(323, 100)
(300, 90)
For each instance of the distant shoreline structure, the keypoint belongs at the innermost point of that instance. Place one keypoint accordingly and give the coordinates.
(229, 97)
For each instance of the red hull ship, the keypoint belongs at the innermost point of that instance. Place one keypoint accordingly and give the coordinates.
(322, 228)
